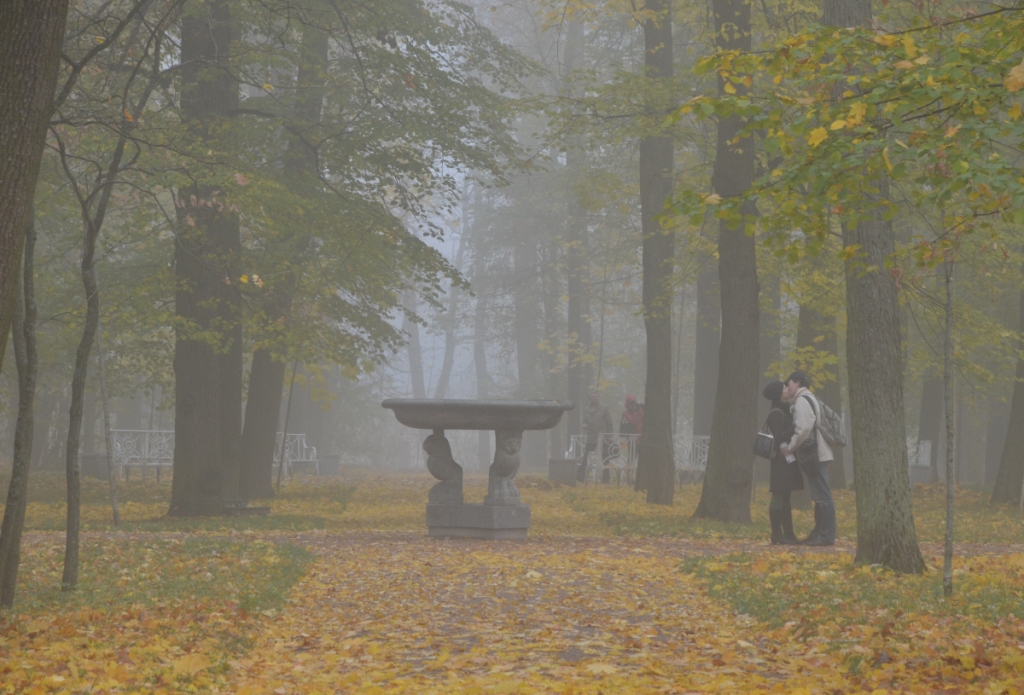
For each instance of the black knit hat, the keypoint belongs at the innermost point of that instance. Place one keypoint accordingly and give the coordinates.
(773, 391)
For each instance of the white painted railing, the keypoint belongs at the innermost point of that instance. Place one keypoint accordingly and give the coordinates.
(144, 449)
(295, 451)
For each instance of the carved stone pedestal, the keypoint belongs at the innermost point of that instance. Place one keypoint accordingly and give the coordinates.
(486, 521)
(502, 515)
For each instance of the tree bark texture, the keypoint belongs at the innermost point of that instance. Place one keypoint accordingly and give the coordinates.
(26, 358)
(885, 520)
(708, 340)
(31, 38)
(656, 467)
(874, 354)
(1011, 463)
(729, 474)
(207, 369)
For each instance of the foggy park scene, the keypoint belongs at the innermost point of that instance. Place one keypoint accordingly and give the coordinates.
(511, 346)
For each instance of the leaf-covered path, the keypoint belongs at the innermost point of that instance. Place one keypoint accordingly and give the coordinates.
(400, 613)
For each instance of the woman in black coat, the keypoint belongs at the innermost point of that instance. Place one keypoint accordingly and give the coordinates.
(785, 475)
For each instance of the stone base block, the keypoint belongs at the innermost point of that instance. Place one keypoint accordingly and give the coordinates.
(493, 522)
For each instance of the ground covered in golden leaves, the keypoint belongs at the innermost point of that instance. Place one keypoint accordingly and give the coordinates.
(339, 590)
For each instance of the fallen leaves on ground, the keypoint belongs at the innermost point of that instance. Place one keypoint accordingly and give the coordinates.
(403, 614)
(888, 631)
(150, 615)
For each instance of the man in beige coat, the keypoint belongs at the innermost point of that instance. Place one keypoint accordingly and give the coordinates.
(813, 454)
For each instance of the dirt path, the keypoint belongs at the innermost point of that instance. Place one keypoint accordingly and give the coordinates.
(401, 613)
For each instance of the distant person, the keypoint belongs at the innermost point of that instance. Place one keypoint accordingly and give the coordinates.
(785, 472)
(632, 421)
(813, 454)
(597, 420)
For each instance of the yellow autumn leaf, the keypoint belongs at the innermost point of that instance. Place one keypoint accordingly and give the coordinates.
(837, 125)
(1014, 81)
(885, 156)
(728, 88)
(952, 130)
(905, 65)
(244, 279)
(712, 199)
(267, 86)
(887, 40)
(817, 136)
(190, 664)
(1014, 113)
(909, 46)
(857, 113)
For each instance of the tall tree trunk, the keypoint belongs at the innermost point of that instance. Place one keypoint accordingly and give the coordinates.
(708, 339)
(412, 329)
(729, 475)
(259, 433)
(656, 468)
(31, 38)
(483, 379)
(577, 330)
(885, 520)
(266, 372)
(1011, 463)
(949, 388)
(552, 292)
(26, 358)
(208, 377)
(527, 337)
(451, 325)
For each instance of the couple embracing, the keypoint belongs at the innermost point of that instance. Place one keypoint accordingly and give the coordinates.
(799, 448)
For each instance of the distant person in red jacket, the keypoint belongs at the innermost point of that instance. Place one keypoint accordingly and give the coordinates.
(632, 417)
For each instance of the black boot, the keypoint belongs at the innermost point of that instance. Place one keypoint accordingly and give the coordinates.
(788, 537)
(813, 536)
(775, 517)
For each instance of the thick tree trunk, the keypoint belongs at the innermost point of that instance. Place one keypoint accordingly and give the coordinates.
(885, 520)
(27, 361)
(729, 475)
(208, 377)
(259, 434)
(266, 374)
(1011, 463)
(656, 468)
(708, 340)
(31, 38)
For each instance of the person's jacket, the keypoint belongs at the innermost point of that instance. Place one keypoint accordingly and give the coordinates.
(804, 418)
(780, 424)
(597, 421)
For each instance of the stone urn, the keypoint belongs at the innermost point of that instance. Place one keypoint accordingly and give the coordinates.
(501, 515)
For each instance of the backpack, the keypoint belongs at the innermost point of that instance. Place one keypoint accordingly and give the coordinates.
(828, 422)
